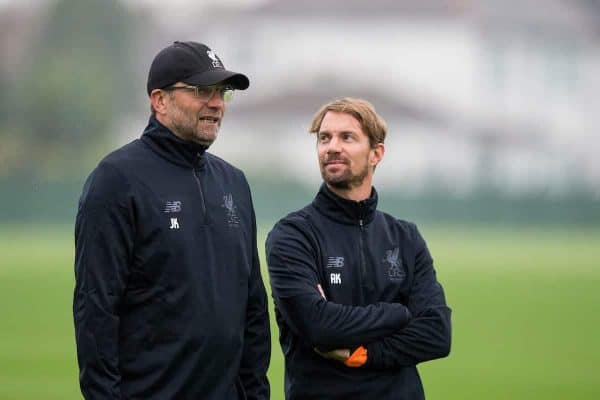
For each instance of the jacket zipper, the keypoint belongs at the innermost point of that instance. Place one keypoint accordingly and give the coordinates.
(363, 261)
(202, 205)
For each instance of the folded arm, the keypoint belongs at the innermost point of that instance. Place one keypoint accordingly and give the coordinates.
(294, 281)
(428, 334)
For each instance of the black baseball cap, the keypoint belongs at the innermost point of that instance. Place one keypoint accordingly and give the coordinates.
(193, 63)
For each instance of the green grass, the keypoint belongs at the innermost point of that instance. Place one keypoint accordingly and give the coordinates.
(526, 309)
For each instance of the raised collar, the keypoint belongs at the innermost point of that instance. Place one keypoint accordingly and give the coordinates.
(343, 210)
(167, 145)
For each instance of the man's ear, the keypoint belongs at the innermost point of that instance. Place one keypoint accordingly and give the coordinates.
(158, 99)
(377, 154)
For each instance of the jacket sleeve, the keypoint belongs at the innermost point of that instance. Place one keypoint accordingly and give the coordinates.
(294, 278)
(428, 334)
(104, 232)
(257, 336)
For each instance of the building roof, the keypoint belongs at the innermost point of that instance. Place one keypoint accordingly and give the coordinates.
(360, 8)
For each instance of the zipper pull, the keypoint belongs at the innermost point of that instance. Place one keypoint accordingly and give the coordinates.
(198, 161)
(360, 223)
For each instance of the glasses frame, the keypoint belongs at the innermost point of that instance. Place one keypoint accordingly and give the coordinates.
(225, 91)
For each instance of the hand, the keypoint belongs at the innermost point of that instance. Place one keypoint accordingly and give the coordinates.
(321, 292)
(340, 355)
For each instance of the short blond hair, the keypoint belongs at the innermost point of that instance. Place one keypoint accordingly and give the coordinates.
(371, 123)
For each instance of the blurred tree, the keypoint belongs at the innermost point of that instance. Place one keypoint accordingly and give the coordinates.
(3, 102)
(77, 82)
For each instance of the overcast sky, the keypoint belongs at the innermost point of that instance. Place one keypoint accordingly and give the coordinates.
(196, 3)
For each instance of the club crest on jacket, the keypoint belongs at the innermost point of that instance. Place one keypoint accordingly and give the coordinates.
(395, 271)
(232, 217)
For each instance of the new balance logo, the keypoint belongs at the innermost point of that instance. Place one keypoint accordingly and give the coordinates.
(174, 224)
(335, 262)
(172, 207)
(335, 279)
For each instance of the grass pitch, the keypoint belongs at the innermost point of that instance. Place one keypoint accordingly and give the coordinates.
(525, 314)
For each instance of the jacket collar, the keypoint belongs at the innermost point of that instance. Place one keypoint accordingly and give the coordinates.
(344, 210)
(167, 145)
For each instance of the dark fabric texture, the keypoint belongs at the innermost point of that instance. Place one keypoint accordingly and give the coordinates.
(169, 301)
(380, 291)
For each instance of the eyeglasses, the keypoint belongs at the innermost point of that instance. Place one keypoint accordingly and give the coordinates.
(207, 92)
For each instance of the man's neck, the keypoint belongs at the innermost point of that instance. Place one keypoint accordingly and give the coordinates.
(167, 124)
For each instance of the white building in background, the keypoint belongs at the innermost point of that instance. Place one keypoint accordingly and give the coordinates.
(474, 92)
(503, 93)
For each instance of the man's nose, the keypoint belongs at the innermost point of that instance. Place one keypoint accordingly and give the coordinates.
(333, 146)
(216, 100)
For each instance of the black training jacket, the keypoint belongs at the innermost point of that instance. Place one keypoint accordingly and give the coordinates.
(169, 301)
(381, 292)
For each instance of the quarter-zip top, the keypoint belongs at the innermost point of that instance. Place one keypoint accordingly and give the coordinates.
(344, 275)
(167, 305)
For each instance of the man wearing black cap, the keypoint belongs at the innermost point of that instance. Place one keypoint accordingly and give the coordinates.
(169, 300)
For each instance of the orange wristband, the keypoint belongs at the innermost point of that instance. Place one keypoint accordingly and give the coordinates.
(357, 359)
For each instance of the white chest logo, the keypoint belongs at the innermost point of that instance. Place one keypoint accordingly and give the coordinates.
(335, 279)
(172, 207)
(174, 224)
(335, 262)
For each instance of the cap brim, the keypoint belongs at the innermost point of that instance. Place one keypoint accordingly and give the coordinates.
(235, 79)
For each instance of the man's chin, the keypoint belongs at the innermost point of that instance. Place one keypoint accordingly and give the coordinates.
(339, 182)
(344, 185)
(343, 182)
(205, 139)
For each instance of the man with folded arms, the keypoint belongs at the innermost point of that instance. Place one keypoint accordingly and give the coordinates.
(356, 296)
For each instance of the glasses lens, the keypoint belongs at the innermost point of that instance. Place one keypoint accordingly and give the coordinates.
(205, 92)
(227, 94)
